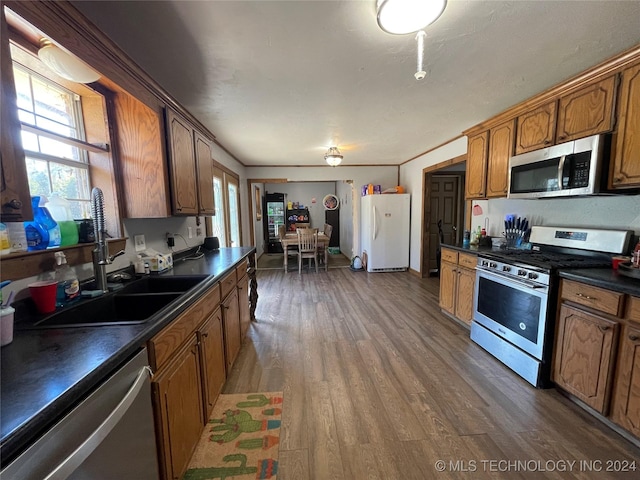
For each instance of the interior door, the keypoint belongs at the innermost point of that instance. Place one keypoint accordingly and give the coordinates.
(443, 205)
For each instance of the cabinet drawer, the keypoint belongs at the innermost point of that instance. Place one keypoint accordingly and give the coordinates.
(241, 270)
(633, 309)
(449, 255)
(467, 260)
(163, 345)
(594, 297)
(227, 284)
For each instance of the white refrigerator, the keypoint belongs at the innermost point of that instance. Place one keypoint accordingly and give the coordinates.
(385, 231)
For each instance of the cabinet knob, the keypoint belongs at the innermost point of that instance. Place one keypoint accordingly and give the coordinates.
(617, 179)
(547, 142)
(603, 328)
(633, 338)
(562, 137)
(14, 203)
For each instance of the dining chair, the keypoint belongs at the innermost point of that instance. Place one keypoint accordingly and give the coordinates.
(321, 246)
(307, 246)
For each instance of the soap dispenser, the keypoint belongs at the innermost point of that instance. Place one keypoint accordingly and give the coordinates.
(68, 284)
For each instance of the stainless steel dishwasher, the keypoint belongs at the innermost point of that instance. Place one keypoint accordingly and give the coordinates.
(109, 435)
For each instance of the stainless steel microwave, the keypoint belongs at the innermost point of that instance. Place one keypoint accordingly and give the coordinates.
(568, 169)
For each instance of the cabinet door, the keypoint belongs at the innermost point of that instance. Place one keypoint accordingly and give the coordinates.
(231, 323)
(243, 305)
(536, 129)
(626, 403)
(588, 111)
(183, 165)
(15, 200)
(204, 162)
(464, 294)
(212, 360)
(501, 145)
(448, 282)
(625, 164)
(477, 165)
(144, 175)
(584, 356)
(179, 413)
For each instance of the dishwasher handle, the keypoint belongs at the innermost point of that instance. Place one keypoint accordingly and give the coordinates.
(71, 463)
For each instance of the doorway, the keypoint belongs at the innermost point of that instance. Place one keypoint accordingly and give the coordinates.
(443, 221)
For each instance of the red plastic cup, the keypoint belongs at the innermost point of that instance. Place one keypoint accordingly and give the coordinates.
(43, 294)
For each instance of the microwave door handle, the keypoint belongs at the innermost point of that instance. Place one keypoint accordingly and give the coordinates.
(561, 171)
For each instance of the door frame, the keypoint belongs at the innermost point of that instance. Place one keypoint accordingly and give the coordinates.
(424, 221)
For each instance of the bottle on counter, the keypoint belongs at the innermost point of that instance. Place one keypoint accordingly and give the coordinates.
(43, 232)
(60, 210)
(635, 259)
(68, 285)
(138, 265)
(5, 244)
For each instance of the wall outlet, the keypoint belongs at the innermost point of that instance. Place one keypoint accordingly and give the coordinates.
(198, 232)
(139, 242)
(190, 230)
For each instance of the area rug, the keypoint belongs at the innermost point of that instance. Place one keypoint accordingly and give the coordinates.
(240, 440)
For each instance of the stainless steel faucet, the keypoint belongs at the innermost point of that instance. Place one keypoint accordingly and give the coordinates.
(101, 257)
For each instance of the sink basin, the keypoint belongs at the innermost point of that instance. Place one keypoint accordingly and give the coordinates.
(118, 309)
(152, 284)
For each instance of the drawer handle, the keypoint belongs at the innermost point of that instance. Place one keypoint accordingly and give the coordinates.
(633, 338)
(603, 328)
(586, 297)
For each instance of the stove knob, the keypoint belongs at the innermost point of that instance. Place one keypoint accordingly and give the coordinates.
(493, 265)
(485, 263)
(522, 273)
(506, 268)
(533, 276)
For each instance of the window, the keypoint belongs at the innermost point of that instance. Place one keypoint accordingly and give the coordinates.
(226, 221)
(51, 118)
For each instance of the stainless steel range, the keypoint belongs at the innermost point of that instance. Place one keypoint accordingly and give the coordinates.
(514, 306)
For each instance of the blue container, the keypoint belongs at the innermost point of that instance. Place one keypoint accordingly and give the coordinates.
(43, 232)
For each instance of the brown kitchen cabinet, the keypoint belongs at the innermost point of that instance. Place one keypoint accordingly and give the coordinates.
(584, 354)
(231, 324)
(177, 397)
(587, 111)
(536, 129)
(501, 147)
(625, 410)
(14, 184)
(191, 167)
(457, 284)
(476, 176)
(243, 298)
(210, 337)
(625, 161)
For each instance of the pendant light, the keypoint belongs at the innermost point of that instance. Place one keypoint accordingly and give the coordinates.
(333, 157)
(400, 17)
(65, 64)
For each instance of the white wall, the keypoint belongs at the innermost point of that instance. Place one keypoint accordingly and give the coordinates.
(305, 193)
(411, 178)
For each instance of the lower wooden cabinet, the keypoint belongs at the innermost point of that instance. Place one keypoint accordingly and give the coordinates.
(231, 326)
(212, 361)
(585, 356)
(243, 304)
(457, 284)
(177, 396)
(626, 401)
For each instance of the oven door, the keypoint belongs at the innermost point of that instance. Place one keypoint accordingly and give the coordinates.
(515, 310)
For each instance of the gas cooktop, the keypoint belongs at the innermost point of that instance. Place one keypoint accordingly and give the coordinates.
(549, 260)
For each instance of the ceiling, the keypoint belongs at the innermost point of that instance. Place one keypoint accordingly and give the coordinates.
(278, 82)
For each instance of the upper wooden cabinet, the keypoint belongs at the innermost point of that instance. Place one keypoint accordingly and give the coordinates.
(477, 165)
(189, 150)
(536, 129)
(14, 184)
(501, 141)
(625, 163)
(142, 166)
(587, 111)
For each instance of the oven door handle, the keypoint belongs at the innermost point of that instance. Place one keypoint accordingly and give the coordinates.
(517, 281)
(561, 171)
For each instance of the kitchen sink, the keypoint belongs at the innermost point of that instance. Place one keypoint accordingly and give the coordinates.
(135, 303)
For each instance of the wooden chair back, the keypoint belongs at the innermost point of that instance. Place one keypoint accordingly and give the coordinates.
(328, 229)
(307, 240)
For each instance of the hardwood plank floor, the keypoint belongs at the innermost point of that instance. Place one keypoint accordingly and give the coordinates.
(379, 384)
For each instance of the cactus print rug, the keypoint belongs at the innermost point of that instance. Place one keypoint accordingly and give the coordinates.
(240, 440)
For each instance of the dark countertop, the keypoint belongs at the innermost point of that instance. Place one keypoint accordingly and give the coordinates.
(471, 248)
(604, 278)
(44, 373)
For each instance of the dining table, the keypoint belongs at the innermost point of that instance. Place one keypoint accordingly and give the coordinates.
(291, 239)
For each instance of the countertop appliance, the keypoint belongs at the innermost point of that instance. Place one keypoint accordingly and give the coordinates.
(568, 169)
(385, 231)
(514, 307)
(110, 434)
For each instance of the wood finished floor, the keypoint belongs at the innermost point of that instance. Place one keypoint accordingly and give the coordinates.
(379, 384)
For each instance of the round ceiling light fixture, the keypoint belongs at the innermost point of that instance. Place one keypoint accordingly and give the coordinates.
(333, 157)
(65, 64)
(400, 17)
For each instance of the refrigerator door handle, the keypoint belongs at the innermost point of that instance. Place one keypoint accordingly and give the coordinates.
(375, 233)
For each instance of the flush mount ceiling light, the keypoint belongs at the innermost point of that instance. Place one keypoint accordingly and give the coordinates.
(65, 64)
(400, 17)
(333, 156)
